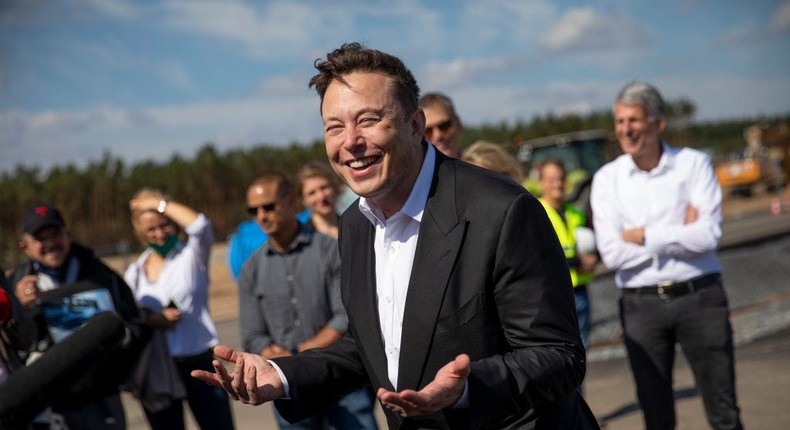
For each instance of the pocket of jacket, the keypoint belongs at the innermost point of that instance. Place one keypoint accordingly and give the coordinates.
(460, 316)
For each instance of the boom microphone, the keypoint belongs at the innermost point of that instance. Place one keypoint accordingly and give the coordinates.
(31, 389)
(5, 306)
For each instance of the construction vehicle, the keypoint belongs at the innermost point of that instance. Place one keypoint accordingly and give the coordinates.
(582, 153)
(763, 162)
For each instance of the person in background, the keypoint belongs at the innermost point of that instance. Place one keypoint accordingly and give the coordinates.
(170, 280)
(249, 236)
(568, 221)
(289, 293)
(459, 300)
(493, 157)
(657, 217)
(443, 126)
(319, 188)
(63, 284)
(17, 329)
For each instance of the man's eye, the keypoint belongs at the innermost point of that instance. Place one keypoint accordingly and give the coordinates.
(368, 121)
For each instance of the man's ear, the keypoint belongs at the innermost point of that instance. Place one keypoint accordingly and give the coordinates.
(661, 123)
(417, 122)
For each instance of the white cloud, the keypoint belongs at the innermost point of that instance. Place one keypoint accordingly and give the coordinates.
(266, 31)
(781, 18)
(460, 72)
(515, 25)
(584, 29)
(118, 9)
(59, 137)
(284, 84)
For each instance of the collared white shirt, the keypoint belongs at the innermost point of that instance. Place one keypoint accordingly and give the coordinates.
(395, 244)
(184, 280)
(625, 197)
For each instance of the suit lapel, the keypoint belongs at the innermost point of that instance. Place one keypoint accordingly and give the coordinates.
(441, 236)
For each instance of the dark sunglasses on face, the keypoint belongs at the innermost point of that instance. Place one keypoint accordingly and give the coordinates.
(443, 126)
(269, 207)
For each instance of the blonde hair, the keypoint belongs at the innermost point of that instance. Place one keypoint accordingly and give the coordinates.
(146, 192)
(315, 169)
(493, 157)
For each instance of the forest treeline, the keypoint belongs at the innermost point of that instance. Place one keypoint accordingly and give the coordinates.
(94, 198)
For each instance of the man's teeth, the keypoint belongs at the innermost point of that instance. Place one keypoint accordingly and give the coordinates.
(358, 164)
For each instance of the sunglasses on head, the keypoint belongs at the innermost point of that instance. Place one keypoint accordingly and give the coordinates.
(443, 126)
(269, 207)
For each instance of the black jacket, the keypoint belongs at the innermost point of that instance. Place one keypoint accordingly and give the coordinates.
(490, 280)
(106, 377)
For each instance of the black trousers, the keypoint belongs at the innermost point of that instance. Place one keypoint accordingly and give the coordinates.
(699, 322)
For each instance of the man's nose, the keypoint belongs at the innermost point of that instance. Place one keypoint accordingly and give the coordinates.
(353, 139)
(262, 215)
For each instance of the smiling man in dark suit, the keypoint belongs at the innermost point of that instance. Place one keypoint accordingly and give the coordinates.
(460, 304)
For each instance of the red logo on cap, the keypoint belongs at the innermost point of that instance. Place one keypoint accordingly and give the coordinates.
(41, 211)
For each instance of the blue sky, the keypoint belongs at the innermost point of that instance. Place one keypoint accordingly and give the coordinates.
(146, 79)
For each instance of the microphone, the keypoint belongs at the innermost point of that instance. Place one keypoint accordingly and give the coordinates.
(31, 389)
(5, 306)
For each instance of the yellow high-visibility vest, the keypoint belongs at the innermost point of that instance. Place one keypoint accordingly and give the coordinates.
(574, 218)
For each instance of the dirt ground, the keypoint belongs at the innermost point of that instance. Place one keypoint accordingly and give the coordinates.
(223, 297)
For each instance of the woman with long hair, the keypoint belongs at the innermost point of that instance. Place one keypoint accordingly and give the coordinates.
(319, 189)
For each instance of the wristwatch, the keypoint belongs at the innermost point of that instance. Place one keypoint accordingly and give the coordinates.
(162, 206)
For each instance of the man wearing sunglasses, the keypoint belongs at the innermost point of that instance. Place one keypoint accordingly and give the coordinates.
(442, 125)
(289, 297)
(249, 236)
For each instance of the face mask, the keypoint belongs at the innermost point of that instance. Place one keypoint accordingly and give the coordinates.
(168, 246)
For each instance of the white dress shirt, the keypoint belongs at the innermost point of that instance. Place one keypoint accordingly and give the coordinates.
(624, 197)
(395, 244)
(184, 280)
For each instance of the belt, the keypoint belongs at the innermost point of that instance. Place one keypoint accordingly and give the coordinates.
(675, 289)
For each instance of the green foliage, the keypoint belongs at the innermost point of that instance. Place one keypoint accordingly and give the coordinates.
(94, 199)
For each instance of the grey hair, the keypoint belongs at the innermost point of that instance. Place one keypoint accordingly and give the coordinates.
(642, 94)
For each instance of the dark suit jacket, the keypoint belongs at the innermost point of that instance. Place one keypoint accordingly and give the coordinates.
(489, 279)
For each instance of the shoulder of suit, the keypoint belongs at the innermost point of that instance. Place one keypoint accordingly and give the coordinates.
(470, 177)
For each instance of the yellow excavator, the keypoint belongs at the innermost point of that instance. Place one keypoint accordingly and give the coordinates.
(764, 162)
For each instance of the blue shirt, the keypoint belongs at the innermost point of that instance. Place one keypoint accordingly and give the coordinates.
(247, 238)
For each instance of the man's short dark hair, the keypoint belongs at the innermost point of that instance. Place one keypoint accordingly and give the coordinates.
(353, 57)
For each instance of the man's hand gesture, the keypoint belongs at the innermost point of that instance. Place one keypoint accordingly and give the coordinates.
(253, 381)
(443, 392)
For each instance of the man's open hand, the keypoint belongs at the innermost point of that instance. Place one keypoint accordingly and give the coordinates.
(253, 381)
(443, 392)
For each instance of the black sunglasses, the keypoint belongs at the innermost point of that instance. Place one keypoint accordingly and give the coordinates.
(269, 207)
(443, 126)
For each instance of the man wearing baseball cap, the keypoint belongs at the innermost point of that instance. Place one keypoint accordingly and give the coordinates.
(62, 285)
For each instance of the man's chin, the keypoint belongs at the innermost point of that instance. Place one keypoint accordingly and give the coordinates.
(53, 262)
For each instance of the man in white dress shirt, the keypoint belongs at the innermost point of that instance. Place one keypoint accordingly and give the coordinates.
(657, 217)
(460, 305)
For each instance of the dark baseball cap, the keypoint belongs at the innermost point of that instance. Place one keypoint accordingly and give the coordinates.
(41, 216)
